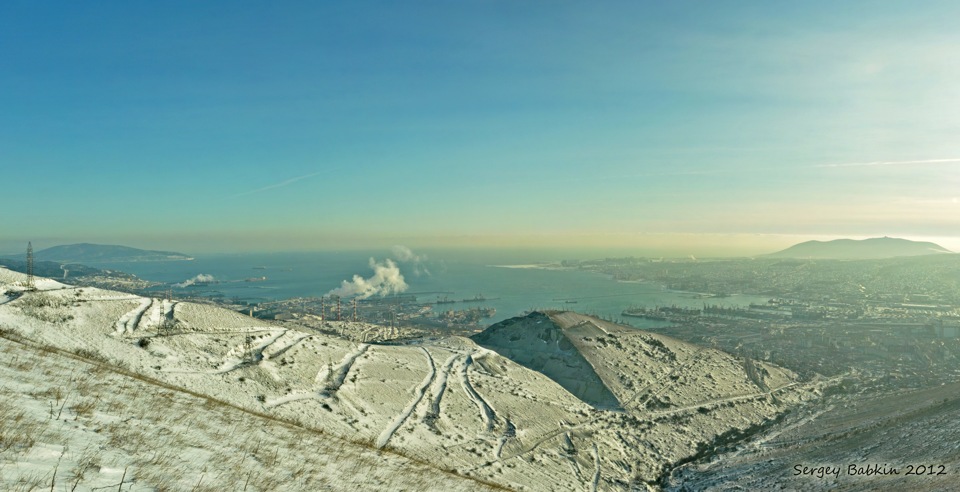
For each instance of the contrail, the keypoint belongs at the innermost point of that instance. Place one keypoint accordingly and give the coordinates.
(280, 184)
(890, 163)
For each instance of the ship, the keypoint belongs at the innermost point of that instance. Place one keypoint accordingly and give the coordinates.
(479, 298)
(660, 313)
(643, 313)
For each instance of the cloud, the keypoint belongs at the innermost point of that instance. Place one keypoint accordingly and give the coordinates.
(891, 163)
(386, 279)
(203, 278)
(933, 201)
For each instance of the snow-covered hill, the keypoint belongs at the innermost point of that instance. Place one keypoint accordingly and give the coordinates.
(448, 404)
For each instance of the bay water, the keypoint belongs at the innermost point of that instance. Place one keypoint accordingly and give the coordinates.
(507, 282)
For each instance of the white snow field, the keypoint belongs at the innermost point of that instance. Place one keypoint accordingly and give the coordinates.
(166, 395)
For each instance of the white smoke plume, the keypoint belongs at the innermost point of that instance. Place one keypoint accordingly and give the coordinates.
(386, 279)
(202, 278)
(404, 254)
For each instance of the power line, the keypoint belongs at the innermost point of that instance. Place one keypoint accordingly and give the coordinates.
(30, 282)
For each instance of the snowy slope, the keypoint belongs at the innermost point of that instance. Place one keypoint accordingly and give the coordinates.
(446, 402)
(78, 425)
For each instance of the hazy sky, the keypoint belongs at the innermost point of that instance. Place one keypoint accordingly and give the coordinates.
(710, 126)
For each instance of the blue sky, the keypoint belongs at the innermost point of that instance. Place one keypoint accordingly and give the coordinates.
(695, 126)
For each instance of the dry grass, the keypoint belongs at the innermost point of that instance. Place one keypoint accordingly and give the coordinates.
(17, 432)
(168, 438)
(28, 483)
(85, 408)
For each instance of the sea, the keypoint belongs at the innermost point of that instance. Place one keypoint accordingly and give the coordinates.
(513, 284)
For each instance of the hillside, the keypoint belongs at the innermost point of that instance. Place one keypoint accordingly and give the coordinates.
(49, 268)
(103, 253)
(635, 370)
(82, 424)
(864, 249)
(900, 429)
(448, 404)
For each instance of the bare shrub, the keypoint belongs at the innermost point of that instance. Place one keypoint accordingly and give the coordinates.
(45, 307)
(90, 354)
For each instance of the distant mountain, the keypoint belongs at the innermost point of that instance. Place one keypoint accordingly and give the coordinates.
(103, 253)
(865, 249)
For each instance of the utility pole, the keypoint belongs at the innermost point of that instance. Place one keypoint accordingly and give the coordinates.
(354, 309)
(323, 308)
(338, 308)
(30, 282)
(167, 323)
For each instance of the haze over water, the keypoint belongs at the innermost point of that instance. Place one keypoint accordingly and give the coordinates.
(512, 291)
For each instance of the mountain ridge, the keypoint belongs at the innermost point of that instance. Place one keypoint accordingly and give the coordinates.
(90, 252)
(862, 249)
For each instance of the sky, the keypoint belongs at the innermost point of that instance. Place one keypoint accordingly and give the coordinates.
(703, 128)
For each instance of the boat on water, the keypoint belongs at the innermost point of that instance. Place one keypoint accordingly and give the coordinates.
(479, 298)
(643, 313)
(660, 313)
